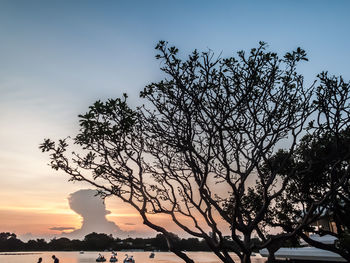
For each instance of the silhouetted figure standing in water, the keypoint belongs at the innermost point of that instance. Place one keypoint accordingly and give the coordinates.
(40, 260)
(55, 260)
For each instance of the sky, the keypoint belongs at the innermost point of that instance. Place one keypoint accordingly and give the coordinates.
(58, 57)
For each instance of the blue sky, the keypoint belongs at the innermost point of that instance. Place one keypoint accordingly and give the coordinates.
(57, 57)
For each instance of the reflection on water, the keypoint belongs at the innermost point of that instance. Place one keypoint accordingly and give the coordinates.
(140, 257)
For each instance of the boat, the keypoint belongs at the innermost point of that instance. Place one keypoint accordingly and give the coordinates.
(307, 253)
(113, 258)
(100, 258)
(152, 255)
(128, 259)
(304, 253)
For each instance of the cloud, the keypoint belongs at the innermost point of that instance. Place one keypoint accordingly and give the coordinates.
(25, 237)
(93, 211)
(61, 228)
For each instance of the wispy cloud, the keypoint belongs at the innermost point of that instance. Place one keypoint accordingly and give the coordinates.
(61, 228)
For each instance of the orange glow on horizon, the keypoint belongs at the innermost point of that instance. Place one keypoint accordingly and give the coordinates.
(39, 223)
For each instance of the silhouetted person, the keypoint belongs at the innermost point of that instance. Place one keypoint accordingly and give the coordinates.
(55, 260)
(40, 260)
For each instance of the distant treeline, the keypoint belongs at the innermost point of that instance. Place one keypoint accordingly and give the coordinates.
(100, 242)
(96, 242)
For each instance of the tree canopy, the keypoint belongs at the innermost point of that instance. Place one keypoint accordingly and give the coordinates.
(213, 147)
(321, 185)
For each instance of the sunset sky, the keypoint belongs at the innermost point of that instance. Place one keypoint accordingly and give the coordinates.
(58, 57)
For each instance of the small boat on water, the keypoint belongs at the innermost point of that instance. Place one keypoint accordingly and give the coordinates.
(152, 255)
(128, 259)
(113, 258)
(100, 258)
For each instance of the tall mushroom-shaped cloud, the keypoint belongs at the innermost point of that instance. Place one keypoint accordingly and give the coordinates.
(93, 211)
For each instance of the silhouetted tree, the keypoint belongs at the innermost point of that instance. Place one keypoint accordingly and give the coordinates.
(160, 242)
(95, 241)
(35, 245)
(320, 185)
(197, 152)
(9, 242)
(78, 245)
(62, 243)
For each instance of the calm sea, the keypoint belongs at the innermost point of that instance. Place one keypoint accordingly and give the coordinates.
(140, 257)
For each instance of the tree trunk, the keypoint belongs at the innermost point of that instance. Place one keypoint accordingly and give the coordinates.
(246, 252)
(246, 258)
(271, 258)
